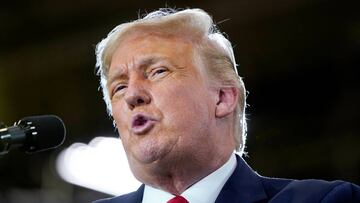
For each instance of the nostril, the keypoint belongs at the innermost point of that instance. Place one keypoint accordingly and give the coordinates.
(136, 100)
(139, 101)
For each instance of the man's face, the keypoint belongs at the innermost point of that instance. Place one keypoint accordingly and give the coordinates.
(162, 103)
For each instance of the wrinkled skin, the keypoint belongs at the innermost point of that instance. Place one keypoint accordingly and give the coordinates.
(161, 78)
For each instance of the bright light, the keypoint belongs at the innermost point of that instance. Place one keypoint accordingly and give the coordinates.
(101, 165)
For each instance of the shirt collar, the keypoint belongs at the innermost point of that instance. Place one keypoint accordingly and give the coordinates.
(204, 191)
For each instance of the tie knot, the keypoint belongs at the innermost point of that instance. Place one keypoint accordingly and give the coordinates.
(178, 199)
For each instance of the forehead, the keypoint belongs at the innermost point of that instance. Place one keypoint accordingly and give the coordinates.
(142, 48)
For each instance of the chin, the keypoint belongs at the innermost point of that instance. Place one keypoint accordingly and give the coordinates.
(153, 154)
(147, 153)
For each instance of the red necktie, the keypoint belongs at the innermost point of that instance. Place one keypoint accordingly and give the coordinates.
(178, 199)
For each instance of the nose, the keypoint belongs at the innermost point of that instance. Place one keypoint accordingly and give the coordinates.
(137, 95)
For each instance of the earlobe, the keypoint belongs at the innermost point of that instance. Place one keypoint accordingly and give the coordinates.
(227, 101)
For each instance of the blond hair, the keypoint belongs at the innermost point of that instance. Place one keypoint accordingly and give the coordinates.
(214, 49)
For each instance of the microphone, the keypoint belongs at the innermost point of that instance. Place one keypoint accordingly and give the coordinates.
(33, 134)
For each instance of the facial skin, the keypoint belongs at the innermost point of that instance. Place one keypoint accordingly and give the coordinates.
(169, 115)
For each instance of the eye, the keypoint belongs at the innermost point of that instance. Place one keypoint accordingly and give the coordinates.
(157, 72)
(118, 88)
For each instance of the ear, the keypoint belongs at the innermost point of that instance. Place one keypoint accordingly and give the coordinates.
(227, 101)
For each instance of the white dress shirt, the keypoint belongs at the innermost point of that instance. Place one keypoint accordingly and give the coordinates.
(204, 191)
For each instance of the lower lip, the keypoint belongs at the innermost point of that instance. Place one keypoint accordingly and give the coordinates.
(143, 129)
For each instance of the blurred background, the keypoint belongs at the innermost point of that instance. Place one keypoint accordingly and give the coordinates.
(299, 60)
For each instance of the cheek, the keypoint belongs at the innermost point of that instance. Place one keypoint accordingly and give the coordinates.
(120, 115)
(185, 105)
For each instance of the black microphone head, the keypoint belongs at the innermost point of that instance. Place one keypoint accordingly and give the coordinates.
(46, 132)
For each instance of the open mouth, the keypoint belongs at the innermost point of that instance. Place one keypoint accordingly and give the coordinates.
(141, 124)
(140, 121)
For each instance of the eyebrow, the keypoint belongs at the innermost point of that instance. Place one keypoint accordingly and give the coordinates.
(150, 60)
(119, 73)
(144, 62)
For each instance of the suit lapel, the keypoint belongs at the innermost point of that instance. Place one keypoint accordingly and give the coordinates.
(243, 186)
(135, 197)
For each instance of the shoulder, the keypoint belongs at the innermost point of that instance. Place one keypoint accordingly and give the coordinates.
(247, 186)
(312, 191)
(133, 197)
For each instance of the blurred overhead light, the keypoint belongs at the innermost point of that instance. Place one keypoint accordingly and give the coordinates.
(101, 165)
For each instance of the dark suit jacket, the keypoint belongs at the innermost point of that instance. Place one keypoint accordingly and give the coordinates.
(245, 186)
